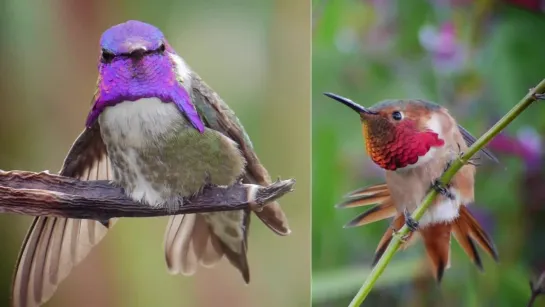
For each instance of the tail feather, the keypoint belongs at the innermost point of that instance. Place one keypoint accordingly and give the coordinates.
(466, 231)
(180, 255)
(475, 231)
(377, 213)
(461, 235)
(397, 223)
(369, 190)
(436, 239)
(237, 254)
(364, 200)
(376, 194)
(193, 239)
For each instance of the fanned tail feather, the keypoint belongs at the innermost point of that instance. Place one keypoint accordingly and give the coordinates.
(190, 241)
(461, 234)
(436, 239)
(476, 232)
(376, 213)
(376, 194)
(193, 239)
(397, 223)
(369, 190)
(466, 231)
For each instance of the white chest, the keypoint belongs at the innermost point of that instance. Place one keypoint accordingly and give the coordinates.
(134, 126)
(443, 211)
(136, 123)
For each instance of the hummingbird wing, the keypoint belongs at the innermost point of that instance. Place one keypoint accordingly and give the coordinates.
(54, 245)
(197, 238)
(221, 118)
(470, 139)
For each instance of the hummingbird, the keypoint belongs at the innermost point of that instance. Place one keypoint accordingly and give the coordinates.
(161, 133)
(415, 141)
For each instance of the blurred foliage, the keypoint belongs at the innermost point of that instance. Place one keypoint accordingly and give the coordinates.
(255, 54)
(477, 58)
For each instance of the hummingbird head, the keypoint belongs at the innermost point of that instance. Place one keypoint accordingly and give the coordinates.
(400, 133)
(137, 62)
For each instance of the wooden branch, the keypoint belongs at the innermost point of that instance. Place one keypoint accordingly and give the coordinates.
(38, 194)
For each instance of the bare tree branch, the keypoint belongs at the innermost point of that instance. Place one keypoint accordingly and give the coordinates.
(37, 194)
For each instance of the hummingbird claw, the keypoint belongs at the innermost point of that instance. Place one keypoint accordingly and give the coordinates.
(537, 96)
(449, 163)
(403, 238)
(409, 221)
(441, 189)
(460, 155)
(473, 162)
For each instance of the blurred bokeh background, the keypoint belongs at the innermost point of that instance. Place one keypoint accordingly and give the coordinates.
(255, 54)
(478, 58)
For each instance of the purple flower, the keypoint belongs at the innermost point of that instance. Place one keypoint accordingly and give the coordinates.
(447, 53)
(526, 145)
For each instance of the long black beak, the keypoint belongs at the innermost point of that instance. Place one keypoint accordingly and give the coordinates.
(349, 103)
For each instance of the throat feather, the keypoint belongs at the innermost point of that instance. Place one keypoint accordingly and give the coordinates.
(405, 148)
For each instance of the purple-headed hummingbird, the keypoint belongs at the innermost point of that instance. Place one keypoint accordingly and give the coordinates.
(157, 130)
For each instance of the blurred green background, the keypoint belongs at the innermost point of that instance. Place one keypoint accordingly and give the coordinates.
(255, 54)
(478, 58)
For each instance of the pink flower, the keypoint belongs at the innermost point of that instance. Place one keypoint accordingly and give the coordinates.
(448, 54)
(526, 145)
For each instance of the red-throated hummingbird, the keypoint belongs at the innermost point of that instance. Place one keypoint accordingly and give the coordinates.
(415, 141)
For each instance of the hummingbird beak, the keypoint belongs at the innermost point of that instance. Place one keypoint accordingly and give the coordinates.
(138, 53)
(137, 50)
(352, 105)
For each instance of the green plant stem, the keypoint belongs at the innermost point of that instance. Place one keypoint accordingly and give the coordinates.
(445, 178)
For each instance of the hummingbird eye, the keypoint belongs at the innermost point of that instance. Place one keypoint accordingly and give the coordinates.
(162, 47)
(107, 56)
(396, 115)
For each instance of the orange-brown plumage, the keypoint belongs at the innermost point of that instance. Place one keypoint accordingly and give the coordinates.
(436, 237)
(414, 141)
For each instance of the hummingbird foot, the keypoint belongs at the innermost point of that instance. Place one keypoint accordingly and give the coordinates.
(395, 233)
(409, 221)
(472, 161)
(442, 189)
